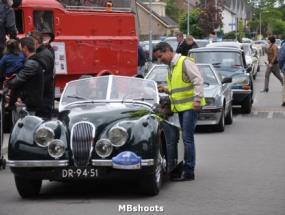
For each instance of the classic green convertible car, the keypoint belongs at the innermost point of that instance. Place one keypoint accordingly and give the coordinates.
(107, 127)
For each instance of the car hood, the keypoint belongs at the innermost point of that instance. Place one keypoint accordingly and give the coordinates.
(211, 91)
(102, 115)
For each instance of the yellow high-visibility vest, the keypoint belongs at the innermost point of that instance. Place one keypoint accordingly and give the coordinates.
(181, 92)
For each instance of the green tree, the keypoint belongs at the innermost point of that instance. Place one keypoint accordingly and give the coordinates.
(172, 10)
(194, 28)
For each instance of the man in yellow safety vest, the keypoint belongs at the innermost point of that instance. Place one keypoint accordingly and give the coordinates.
(186, 92)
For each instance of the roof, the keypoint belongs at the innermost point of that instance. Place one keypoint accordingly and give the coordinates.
(165, 20)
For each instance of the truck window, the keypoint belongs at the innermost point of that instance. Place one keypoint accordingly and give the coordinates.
(43, 21)
(19, 21)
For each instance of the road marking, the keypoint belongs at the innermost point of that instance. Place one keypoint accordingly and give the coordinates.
(270, 115)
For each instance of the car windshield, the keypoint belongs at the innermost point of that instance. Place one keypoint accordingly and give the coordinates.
(208, 75)
(159, 74)
(110, 88)
(218, 59)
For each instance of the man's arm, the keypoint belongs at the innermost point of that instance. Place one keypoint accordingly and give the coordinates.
(192, 71)
(30, 69)
(11, 24)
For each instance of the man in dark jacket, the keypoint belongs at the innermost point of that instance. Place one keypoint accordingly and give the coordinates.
(190, 41)
(46, 59)
(7, 24)
(182, 47)
(29, 80)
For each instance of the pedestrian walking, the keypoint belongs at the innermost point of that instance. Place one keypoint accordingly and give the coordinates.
(272, 64)
(182, 47)
(7, 23)
(29, 80)
(45, 57)
(281, 61)
(186, 92)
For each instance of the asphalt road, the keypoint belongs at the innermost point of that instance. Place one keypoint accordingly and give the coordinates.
(239, 172)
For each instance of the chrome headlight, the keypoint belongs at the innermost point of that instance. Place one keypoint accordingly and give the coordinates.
(118, 136)
(103, 148)
(240, 80)
(56, 148)
(43, 136)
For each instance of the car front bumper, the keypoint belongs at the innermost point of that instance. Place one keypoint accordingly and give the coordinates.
(209, 116)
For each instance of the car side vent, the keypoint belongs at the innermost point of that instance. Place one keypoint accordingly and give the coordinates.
(82, 138)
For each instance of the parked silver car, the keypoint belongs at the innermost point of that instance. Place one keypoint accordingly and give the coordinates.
(217, 92)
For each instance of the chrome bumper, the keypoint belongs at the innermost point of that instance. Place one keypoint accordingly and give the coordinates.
(145, 162)
(62, 163)
(37, 163)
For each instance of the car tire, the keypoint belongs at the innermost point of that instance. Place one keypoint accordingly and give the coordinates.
(229, 116)
(220, 127)
(150, 184)
(28, 188)
(246, 105)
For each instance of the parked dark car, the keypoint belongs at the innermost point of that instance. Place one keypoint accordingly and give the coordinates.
(230, 62)
(217, 92)
(107, 127)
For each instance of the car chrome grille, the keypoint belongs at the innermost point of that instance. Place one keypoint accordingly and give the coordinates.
(82, 137)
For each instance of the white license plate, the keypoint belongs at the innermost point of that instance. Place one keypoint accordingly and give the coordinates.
(79, 173)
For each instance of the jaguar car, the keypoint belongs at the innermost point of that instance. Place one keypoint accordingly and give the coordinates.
(217, 92)
(107, 127)
(230, 62)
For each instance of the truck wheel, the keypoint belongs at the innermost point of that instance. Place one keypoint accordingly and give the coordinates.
(246, 105)
(28, 188)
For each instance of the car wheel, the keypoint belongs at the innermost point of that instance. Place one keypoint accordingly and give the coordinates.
(151, 184)
(246, 105)
(229, 117)
(28, 188)
(220, 127)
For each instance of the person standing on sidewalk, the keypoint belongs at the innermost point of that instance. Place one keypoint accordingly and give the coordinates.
(281, 61)
(272, 66)
(186, 92)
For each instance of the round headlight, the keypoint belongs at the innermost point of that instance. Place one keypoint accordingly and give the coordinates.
(103, 148)
(118, 136)
(56, 148)
(43, 136)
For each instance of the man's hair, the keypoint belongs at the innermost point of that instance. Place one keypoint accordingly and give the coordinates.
(179, 34)
(37, 36)
(163, 47)
(29, 43)
(271, 39)
(190, 37)
(12, 47)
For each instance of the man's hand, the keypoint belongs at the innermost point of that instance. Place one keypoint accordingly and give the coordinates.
(162, 89)
(196, 106)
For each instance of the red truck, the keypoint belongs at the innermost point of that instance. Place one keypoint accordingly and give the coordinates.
(92, 37)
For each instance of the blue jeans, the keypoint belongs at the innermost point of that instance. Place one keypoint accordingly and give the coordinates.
(188, 121)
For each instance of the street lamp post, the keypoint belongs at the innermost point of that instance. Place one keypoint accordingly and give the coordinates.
(150, 30)
(188, 13)
(260, 23)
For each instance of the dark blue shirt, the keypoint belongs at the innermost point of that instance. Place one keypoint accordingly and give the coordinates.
(11, 63)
